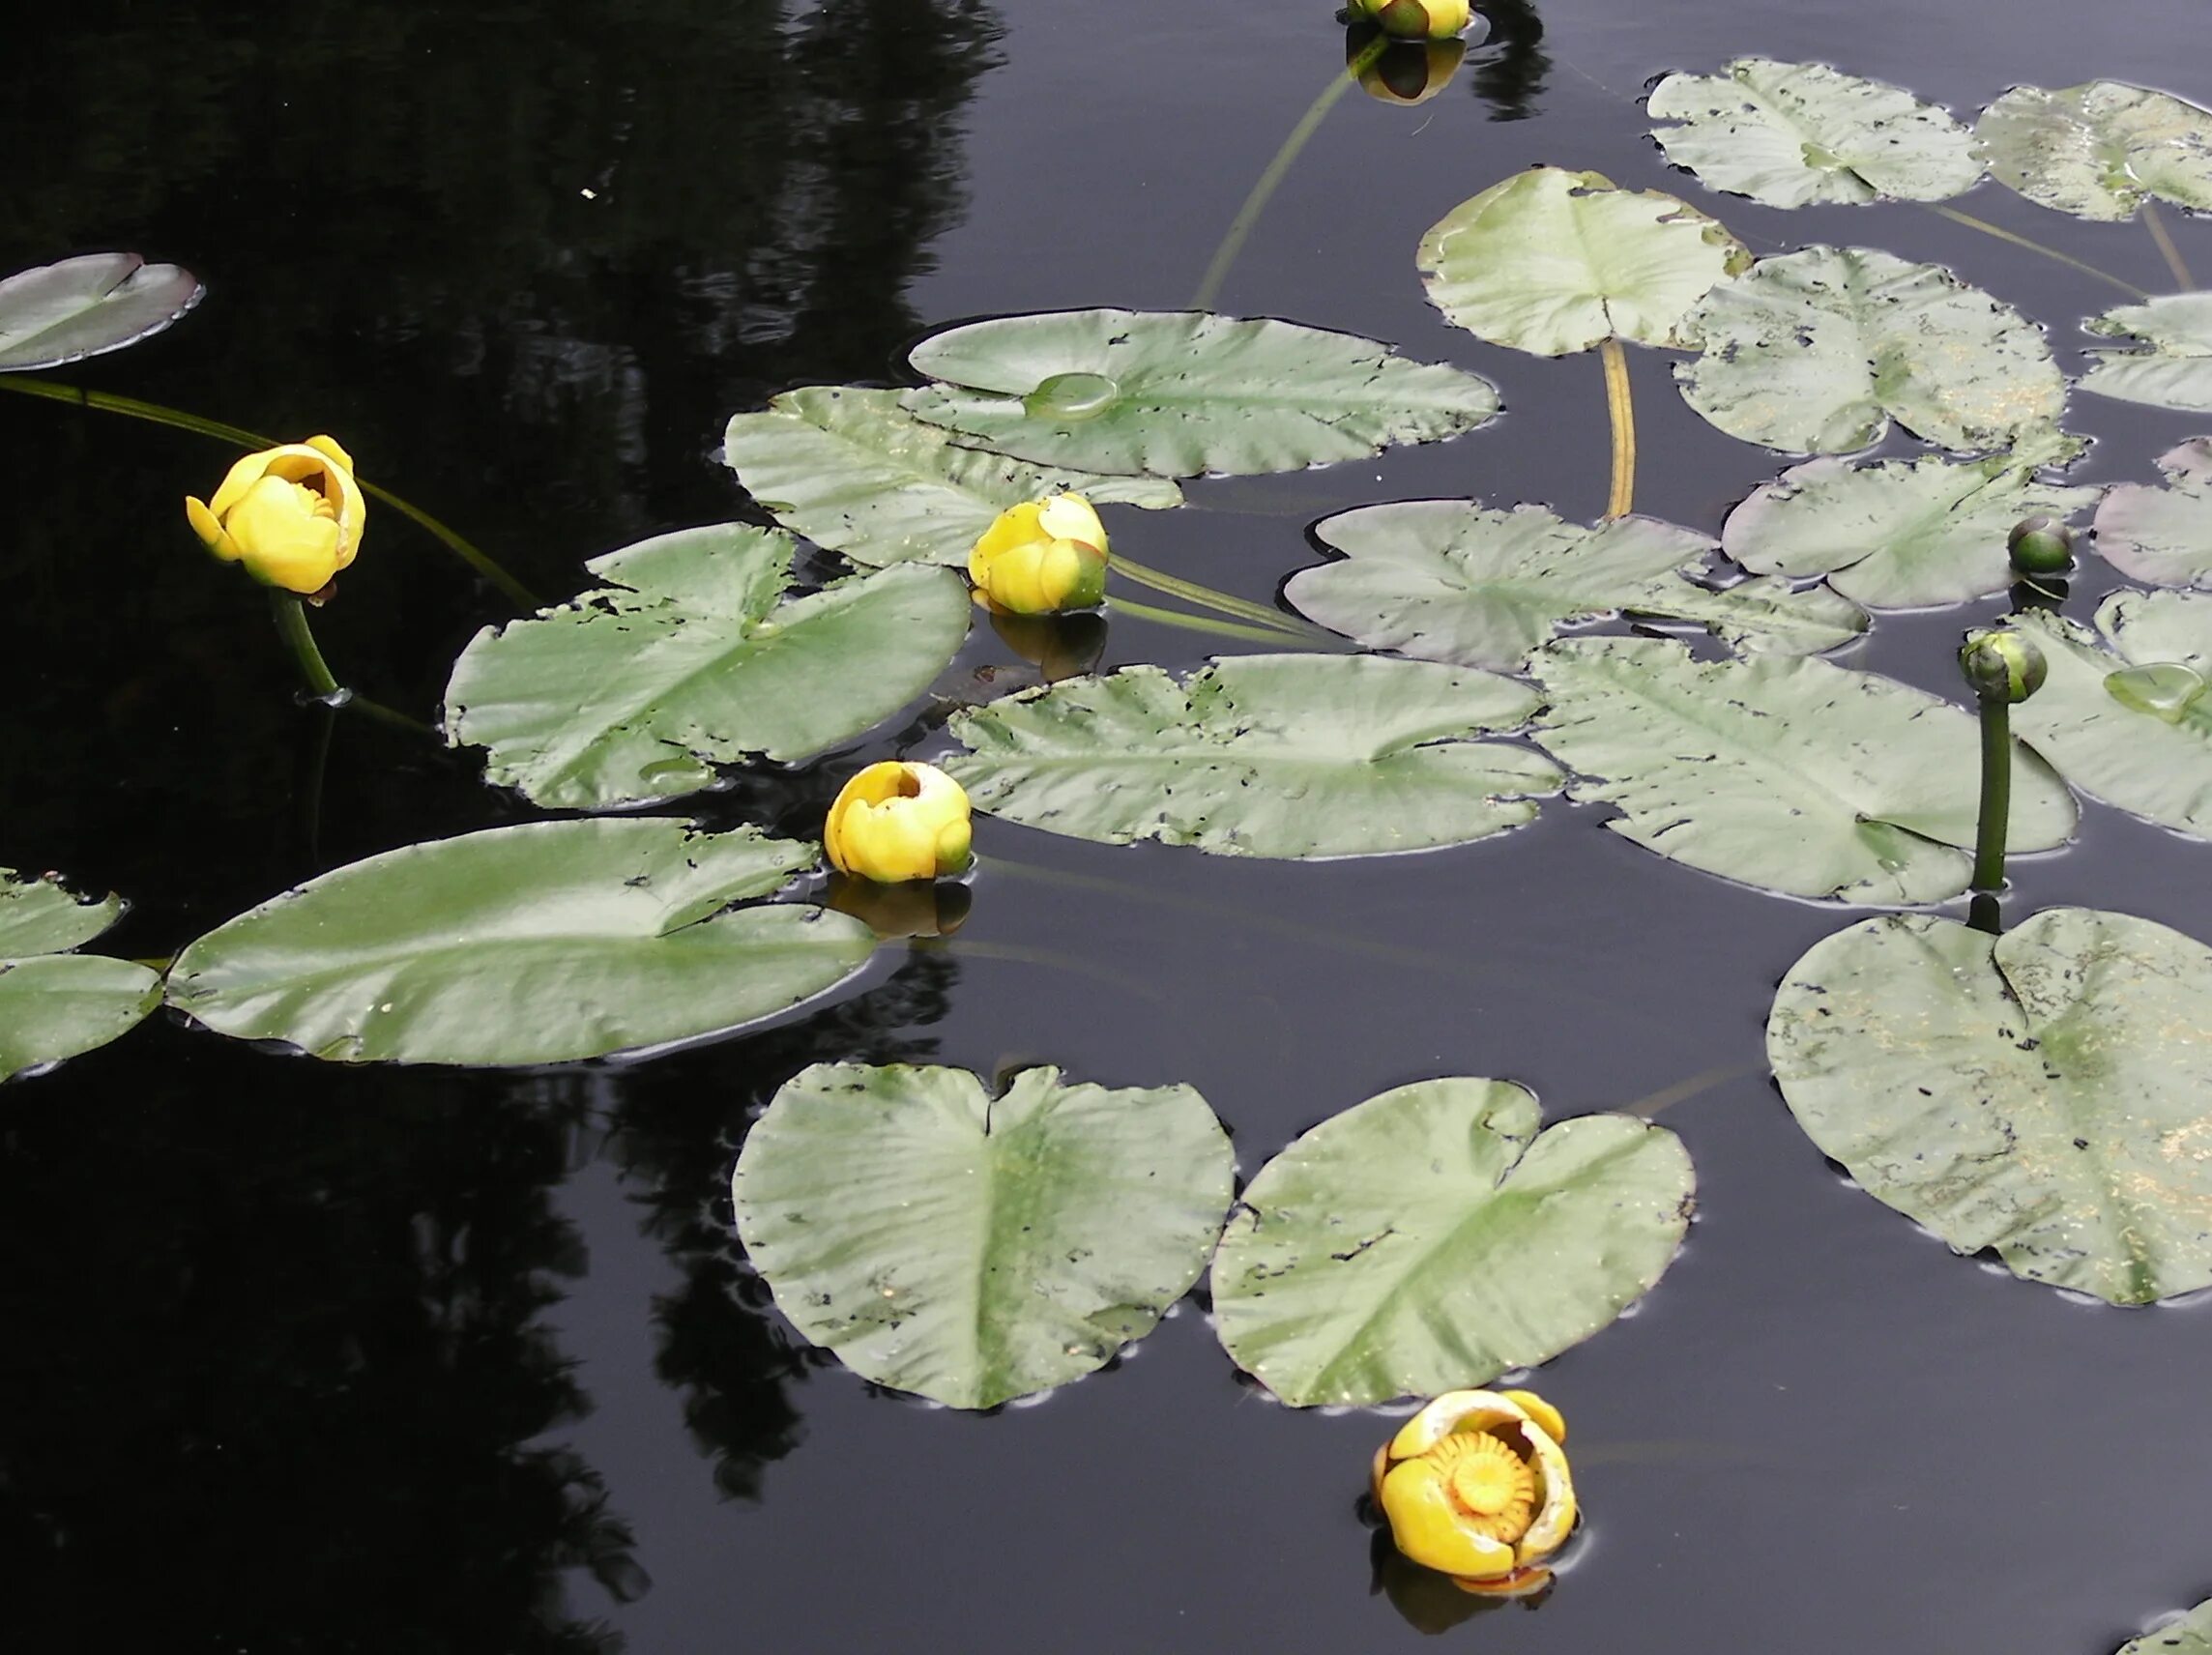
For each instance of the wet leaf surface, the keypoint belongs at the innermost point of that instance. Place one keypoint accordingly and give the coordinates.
(39, 915)
(2163, 535)
(55, 1006)
(2174, 366)
(2099, 150)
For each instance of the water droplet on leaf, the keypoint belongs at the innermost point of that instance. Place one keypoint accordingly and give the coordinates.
(2164, 689)
(1072, 396)
(677, 775)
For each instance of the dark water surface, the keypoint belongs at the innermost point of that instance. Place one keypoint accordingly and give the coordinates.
(306, 1359)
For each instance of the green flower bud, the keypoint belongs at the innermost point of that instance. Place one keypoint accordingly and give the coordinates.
(2041, 546)
(2001, 664)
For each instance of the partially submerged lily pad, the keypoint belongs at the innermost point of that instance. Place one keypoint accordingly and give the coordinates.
(1289, 756)
(55, 1006)
(2123, 714)
(79, 308)
(1431, 1239)
(537, 943)
(1445, 580)
(854, 472)
(1815, 352)
(973, 1250)
(2040, 1093)
(1792, 775)
(41, 915)
(1182, 392)
(1898, 533)
(1790, 134)
(2163, 535)
(1552, 262)
(2173, 368)
(694, 655)
(2100, 150)
(2191, 1634)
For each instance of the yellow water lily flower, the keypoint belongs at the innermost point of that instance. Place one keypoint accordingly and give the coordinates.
(1477, 1486)
(1042, 556)
(1420, 19)
(292, 516)
(898, 820)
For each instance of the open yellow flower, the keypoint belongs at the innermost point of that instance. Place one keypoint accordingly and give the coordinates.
(1420, 19)
(897, 821)
(1477, 1486)
(1042, 556)
(292, 516)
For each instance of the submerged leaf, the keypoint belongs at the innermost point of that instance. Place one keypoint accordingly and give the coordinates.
(1290, 756)
(2163, 535)
(1788, 134)
(1431, 1239)
(538, 944)
(2174, 370)
(1794, 775)
(1444, 580)
(2191, 1634)
(1553, 262)
(1178, 393)
(973, 1250)
(2099, 150)
(693, 657)
(1900, 534)
(2041, 1094)
(854, 472)
(55, 1006)
(42, 917)
(81, 307)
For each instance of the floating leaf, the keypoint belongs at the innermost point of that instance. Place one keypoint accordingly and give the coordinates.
(1554, 262)
(1898, 535)
(1788, 134)
(973, 1250)
(42, 916)
(854, 472)
(2163, 535)
(79, 308)
(55, 1006)
(1431, 1239)
(1815, 352)
(2041, 1094)
(2115, 736)
(1292, 756)
(1445, 580)
(2100, 150)
(2176, 371)
(2191, 1634)
(532, 945)
(1794, 775)
(695, 657)
(1175, 393)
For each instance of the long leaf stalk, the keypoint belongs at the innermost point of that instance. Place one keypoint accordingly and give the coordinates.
(2034, 247)
(1996, 793)
(1222, 628)
(1621, 411)
(1220, 602)
(291, 616)
(2155, 221)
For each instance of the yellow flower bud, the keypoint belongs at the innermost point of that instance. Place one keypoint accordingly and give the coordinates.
(897, 821)
(1420, 19)
(1042, 556)
(1475, 1486)
(292, 516)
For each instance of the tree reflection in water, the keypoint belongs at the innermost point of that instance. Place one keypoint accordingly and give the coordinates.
(1507, 70)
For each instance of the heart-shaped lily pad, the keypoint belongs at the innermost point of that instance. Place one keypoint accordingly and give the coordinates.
(2099, 150)
(82, 306)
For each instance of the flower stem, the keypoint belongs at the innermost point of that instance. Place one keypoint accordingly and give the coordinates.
(158, 415)
(2034, 247)
(1198, 623)
(1996, 793)
(1623, 410)
(1220, 602)
(1256, 203)
(291, 615)
(2155, 221)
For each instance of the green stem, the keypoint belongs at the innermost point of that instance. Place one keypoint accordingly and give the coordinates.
(157, 414)
(1220, 602)
(1996, 793)
(2156, 222)
(1256, 203)
(292, 627)
(1196, 622)
(2003, 235)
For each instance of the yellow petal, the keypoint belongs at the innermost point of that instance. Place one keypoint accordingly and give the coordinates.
(329, 445)
(1554, 1519)
(1426, 1526)
(1554, 1423)
(1016, 526)
(242, 474)
(1069, 517)
(889, 844)
(869, 786)
(282, 538)
(209, 530)
(1454, 1410)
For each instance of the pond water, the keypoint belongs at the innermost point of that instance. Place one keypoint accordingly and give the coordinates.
(303, 1357)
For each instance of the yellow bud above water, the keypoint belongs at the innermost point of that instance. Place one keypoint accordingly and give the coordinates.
(1042, 557)
(292, 516)
(898, 820)
(1419, 19)
(1475, 1486)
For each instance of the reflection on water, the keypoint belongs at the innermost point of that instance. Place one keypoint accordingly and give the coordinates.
(1507, 71)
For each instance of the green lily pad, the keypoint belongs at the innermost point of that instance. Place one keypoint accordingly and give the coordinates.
(973, 1250)
(81, 307)
(1788, 134)
(854, 472)
(2106, 721)
(1431, 1239)
(694, 656)
(55, 1006)
(2100, 150)
(1900, 534)
(538, 944)
(2163, 535)
(1181, 393)
(2191, 1634)
(2041, 1094)
(1444, 580)
(1815, 352)
(2175, 368)
(1792, 775)
(1288, 756)
(1554, 262)
(42, 917)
